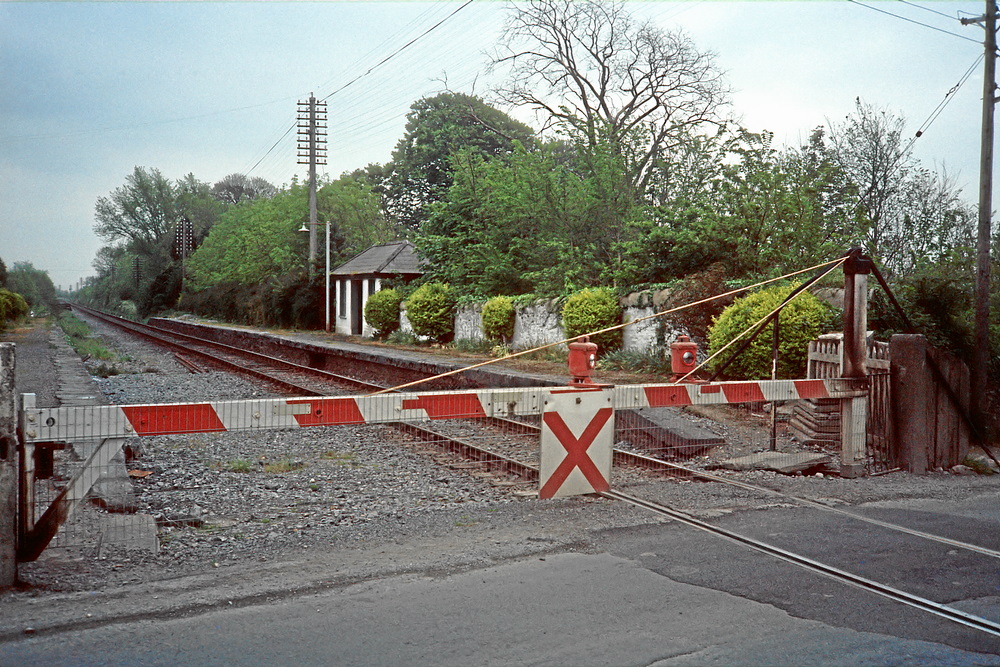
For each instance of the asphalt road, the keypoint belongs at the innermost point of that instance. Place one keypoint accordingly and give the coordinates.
(660, 594)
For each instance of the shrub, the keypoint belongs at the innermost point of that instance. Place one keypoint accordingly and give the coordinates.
(802, 320)
(431, 311)
(382, 311)
(592, 310)
(498, 319)
(12, 306)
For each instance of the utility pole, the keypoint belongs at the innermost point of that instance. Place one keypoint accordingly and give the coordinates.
(312, 151)
(981, 350)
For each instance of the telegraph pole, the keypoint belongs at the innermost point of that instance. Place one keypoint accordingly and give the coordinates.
(981, 350)
(312, 151)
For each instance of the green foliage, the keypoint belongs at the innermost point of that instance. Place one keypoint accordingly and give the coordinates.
(291, 301)
(654, 363)
(382, 311)
(438, 126)
(937, 299)
(431, 310)
(592, 310)
(12, 307)
(498, 319)
(254, 242)
(400, 337)
(239, 465)
(527, 223)
(802, 321)
(356, 209)
(82, 341)
(34, 285)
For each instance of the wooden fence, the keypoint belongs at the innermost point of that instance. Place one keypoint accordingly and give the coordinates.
(916, 396)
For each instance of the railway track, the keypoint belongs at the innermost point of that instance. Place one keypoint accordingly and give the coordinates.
(508, 451)
(195, 353)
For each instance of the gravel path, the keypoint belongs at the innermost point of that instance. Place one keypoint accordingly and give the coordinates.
(244, 498)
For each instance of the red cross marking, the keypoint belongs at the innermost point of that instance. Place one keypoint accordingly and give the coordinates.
(576, 452)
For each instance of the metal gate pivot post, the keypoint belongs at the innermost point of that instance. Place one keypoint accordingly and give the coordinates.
(35, 540)
(854, 411)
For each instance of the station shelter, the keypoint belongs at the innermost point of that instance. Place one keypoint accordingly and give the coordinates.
(362, 275)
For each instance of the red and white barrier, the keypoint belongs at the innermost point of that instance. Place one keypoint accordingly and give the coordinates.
(78, 423)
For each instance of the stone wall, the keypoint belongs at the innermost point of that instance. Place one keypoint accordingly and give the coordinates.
(539, 323)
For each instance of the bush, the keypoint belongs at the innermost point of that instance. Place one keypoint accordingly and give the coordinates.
(592, 310)
(498, 319)
(431, 311)
(12, 306)
(802, 321)
(382, 311)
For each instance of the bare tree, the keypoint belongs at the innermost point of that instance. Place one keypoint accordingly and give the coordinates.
(236, 188)
(588, 67)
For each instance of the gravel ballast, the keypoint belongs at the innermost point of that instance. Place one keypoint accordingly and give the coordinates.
(356, 501)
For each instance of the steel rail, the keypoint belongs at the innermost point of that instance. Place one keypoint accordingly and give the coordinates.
(169, 338)
(641, 460)
(843, 576)
(835, 510)
(916, 601)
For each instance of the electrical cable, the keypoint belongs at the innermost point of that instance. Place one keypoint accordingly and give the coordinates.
(948, 97)
(909, 20)
(397, 51)
(927, 9)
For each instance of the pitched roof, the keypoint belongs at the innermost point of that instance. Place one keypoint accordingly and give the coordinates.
(396, 258)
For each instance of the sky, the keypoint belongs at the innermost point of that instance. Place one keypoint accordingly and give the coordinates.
(90, 90)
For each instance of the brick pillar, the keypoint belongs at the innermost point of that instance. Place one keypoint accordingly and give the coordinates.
(8, 469)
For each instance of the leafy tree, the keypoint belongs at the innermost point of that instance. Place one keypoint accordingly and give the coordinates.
(254, 242)
(33, 284)
(868, 146)
(238, 188)
(138, 213)
(513, 227)
(354, 207)
(420, 172)
(587, 67)
(3, 274)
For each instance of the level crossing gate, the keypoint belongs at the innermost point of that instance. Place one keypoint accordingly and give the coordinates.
(106, 428)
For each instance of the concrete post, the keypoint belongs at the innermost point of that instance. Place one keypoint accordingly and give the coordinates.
(8, 468)
(910, 385)
(854, 411)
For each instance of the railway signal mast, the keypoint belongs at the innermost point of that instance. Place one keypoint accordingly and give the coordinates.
(312, 151)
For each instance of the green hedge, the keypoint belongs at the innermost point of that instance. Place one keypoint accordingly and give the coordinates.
(12, 307)
(382, 311)
(802, 321)
(431, 311)
(592, 310)
(498, 319)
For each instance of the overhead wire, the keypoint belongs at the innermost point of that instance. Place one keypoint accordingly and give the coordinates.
(909, 20)
(364, 123)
